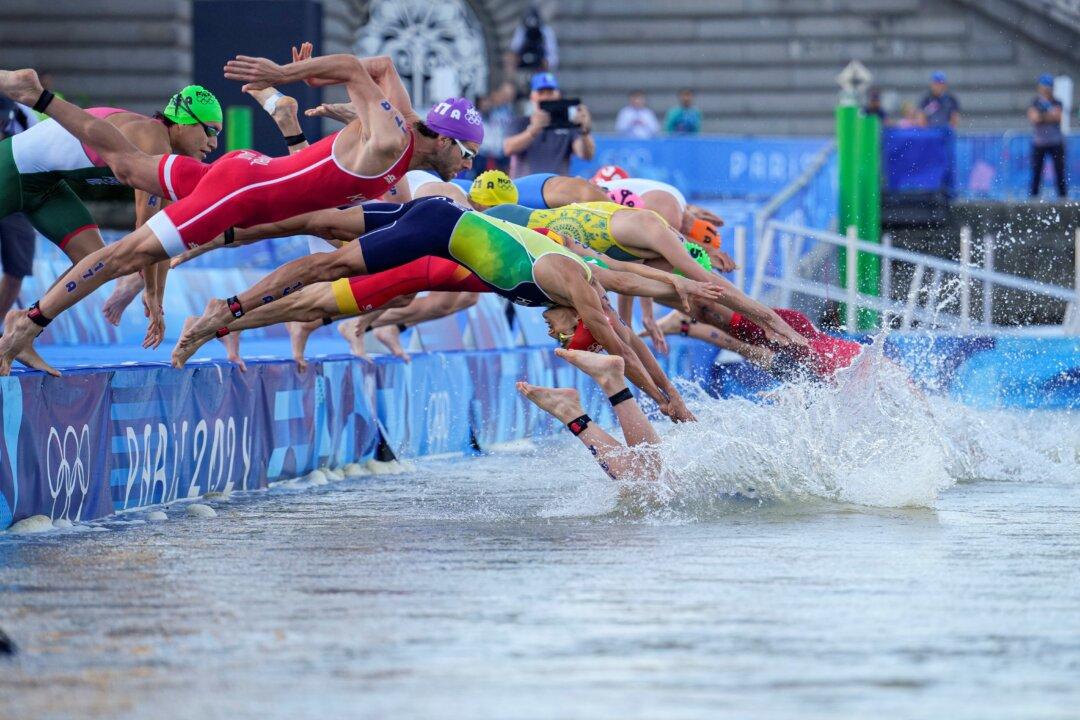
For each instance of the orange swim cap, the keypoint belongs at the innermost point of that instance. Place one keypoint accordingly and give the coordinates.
(704, 233)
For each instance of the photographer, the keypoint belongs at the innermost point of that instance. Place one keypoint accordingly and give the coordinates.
(543, 142)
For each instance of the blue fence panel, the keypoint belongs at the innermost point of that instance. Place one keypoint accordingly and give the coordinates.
(704, 167)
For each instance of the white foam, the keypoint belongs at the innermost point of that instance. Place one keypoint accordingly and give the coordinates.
(62, 524)
(316, 477)
(353, 470)
(32, 524)
(156, 516)
(200, 511)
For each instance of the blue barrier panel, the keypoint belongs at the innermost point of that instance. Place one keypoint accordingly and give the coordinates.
(708, 166)
(93, 442)
(918, 159)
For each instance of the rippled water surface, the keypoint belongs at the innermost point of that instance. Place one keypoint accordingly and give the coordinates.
(798, 566)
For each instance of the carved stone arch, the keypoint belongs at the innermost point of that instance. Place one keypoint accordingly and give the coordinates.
(432, 44)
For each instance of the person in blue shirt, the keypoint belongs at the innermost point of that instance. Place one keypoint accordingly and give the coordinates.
(939, 108)
(1047, 139)
(684, 118)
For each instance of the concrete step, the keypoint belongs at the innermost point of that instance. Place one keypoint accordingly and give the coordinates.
(107, 57)
(667, 26)
(92, 33)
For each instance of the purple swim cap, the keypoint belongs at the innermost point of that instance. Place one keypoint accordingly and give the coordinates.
(456, 118)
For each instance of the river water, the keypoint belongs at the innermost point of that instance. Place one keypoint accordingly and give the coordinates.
(828, 553)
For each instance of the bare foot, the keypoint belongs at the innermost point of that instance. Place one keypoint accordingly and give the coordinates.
(563, 403)
(126, 290)
(30, 358)
(606, 370)
(298, 335)
(232, 350)
(196, 334)
(19, 334)
(21, 85)
(354, 336)
(390, 336)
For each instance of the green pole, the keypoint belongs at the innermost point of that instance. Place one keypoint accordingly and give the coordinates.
(238, 134)
(869, 220)
(847, 160)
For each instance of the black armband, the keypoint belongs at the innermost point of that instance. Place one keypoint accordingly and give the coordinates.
(230, 236)
(621, 396)
(43, 101)
(578, 426)
(235, 307)
(36, 316)
(222, 332)
(327, 320)
(402, 327)
(291, 140)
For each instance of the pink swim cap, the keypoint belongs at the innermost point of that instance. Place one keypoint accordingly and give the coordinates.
(627, 198)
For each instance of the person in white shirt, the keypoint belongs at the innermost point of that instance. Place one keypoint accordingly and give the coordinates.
(636, 119)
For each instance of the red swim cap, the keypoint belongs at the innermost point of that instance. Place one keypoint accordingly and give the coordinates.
(583, 340)
(607, 173)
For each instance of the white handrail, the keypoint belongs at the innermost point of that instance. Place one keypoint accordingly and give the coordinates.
(1017, 283)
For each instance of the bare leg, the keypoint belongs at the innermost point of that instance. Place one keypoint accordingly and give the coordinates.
(314, 303)
(565, 405)
(232, 350)
(760, 356)
(129, 164)
(607, 371)
(390, 336)
(10, 286)
(354, 331)
(137, 250)
(281, 283)
(298, 337)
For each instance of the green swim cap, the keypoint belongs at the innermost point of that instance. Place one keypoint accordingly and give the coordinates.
(700, 256)
(596, 261)
(192, 104)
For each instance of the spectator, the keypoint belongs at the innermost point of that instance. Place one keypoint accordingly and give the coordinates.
(17, 237)
(636, 119)
(909, 116)
(533, 46)
(497, 109)
(1047, 138)
(939, 108)
(533, 147)
(684, 118)
(873, 105)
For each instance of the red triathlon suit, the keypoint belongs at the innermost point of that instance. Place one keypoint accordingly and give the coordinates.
(826, 355)
(245, 188)
(367, 292)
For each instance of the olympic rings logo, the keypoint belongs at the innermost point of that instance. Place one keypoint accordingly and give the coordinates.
(67, 466)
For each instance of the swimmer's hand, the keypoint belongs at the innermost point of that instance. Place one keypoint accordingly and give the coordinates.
(155, 330)
(257, 73)
(657, 336)
(676, 410)
(342, 112)
(687, 288)
(707, 215)
(722, 261)
(303, 53)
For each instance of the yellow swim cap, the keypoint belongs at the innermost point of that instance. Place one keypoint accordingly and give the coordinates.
(493, 187)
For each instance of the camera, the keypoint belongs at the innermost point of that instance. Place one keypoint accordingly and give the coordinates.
(563, 112)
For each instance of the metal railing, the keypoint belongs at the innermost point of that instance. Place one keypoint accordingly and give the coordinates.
(938, 294)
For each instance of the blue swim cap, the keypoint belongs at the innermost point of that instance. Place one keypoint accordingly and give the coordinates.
(1046, 80)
